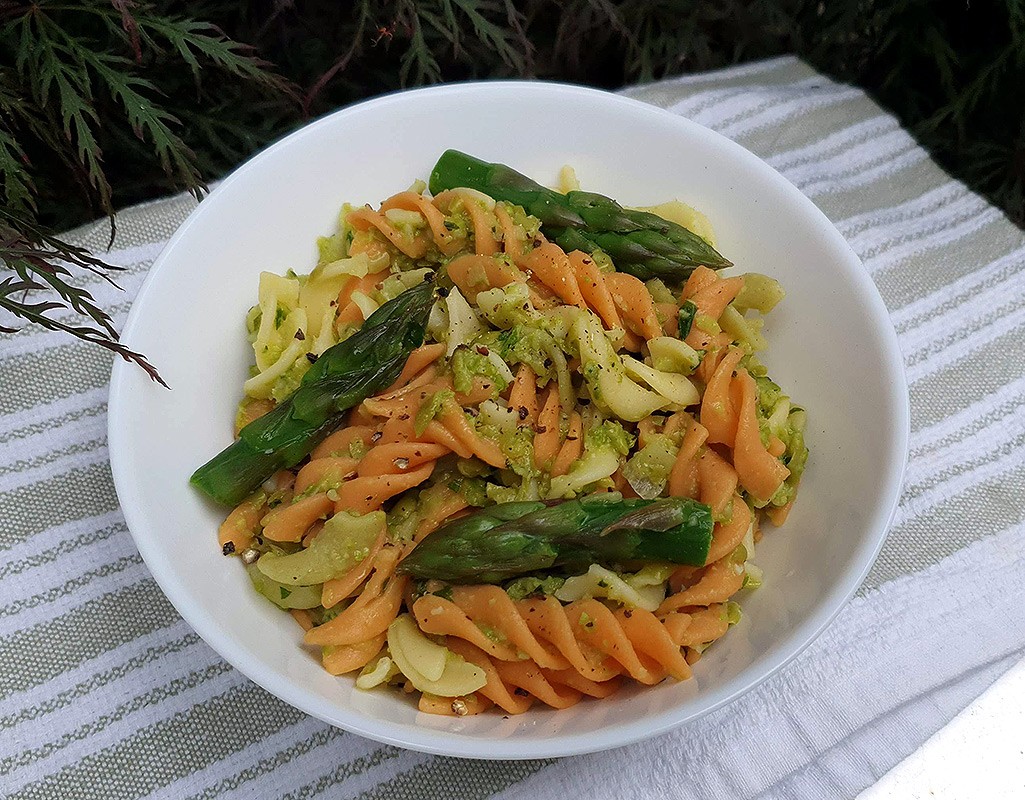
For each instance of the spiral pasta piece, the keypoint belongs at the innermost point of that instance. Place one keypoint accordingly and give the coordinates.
(495, 689)
(550, 265)
(717, 584)
(492, 230)
(717, 480)
(585, 636)
(617, 298)
(759, 472)
(705, 626)
(574, 680)
(398, 428)
(678, 424)
(635, 305)
(289, 523)
(407, 399)
(393, 464)
(396, 458)
(474, 606)
(437, 433)
(684, 477)
(370, 614)
(350, 312)
(363, 219)
(480, 390)
(418, 361)
(411, 201)
(323, 471)
(669, 317)
(467, 706)
(473, 274)
(650, 637)
(546, 438)
(718, 408)
(523, 394)
(528, 677)
(453, 418)
(363, 495)
(713, 298)
(514, 240)
(482, 217)
(340, 659)
(548, 618)
(727, 536)
(513, 686)
(701, 278)
(778, 514)
(242, 525)
(596, 625)
(593, 288)
(337, 589)
(572, 447)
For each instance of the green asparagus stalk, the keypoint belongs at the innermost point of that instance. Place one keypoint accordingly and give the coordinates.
(455, 170)
(343, 376)
(640, 243)
(512, 539)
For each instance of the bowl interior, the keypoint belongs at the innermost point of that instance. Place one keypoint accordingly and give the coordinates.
(831, 347)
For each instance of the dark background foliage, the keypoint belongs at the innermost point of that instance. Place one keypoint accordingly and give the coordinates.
(107, 102)
(954, 72)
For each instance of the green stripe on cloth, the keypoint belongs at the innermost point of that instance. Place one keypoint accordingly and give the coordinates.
(155, 756)
(57, 372)
(992, 366)
(53, 456)
(106, 693)
(93, 727)
(994, 505)
(342, 773)
(83, 688)
(42, 427)
(64, 548)
(74, 495)
(67, 589)
(35, 655)
(453, 777)
(280, 759)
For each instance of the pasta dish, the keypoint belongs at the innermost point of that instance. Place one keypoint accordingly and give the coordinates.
(507, 444)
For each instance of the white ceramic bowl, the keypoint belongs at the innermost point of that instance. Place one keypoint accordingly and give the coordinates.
(831, 346)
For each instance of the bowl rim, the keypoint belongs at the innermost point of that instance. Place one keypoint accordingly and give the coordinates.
(439, 742)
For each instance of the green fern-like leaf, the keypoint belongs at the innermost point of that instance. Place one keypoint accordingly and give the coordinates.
(147, 120)
(62, 88)
(201, 43)
(41, 265)
(418, 60)
(507, 41)
(14, 175)
(70, 89)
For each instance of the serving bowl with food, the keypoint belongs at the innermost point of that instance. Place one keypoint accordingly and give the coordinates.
(491, 465)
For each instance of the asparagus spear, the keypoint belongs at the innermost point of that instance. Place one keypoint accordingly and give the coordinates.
(640, 243)
(511, 539)
(343, 376)
(455, 169)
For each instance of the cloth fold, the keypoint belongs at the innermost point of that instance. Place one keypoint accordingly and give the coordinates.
(106, 692)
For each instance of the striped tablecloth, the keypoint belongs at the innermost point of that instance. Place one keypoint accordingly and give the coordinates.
(106, 692)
